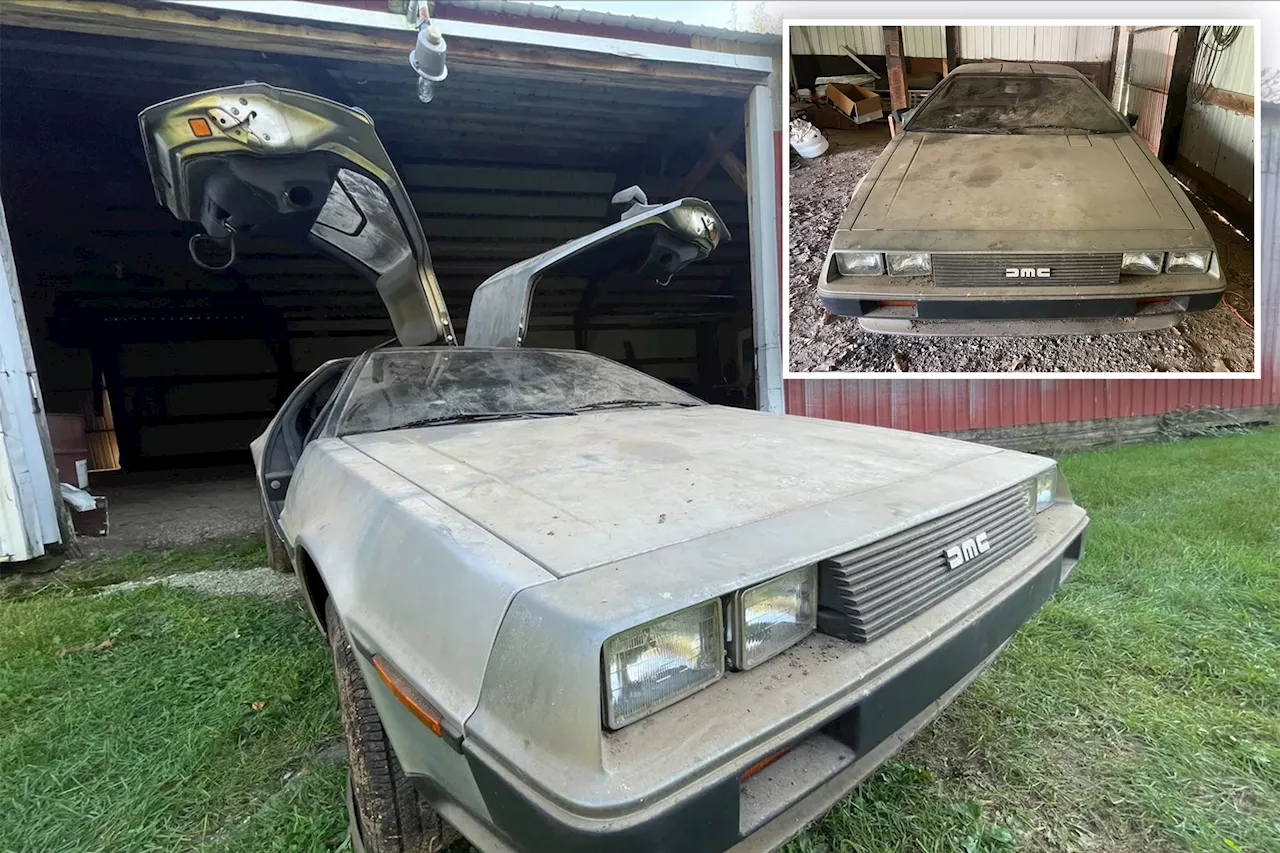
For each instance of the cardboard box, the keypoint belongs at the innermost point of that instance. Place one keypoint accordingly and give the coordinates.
(858, 103)
(829, 118)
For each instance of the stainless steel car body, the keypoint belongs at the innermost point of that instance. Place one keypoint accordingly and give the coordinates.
(1032, 199)
(489, 561)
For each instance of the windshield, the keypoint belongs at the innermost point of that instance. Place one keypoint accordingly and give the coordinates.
(398, 388)
(984, 103)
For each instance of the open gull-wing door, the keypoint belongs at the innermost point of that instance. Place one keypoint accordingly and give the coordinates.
(651, 242)
(257, 160)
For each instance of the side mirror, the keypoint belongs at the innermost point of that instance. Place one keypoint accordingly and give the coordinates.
(1133, 119)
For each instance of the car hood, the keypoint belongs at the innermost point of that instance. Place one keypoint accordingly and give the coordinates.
(573, 493)
(1026, 182)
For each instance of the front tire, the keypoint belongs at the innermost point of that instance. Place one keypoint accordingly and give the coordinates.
(388, 815)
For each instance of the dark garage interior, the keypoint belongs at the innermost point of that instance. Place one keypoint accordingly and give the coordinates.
(173, 366)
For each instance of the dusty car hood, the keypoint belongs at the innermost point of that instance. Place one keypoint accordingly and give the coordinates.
(1034, 182)
(576, 492)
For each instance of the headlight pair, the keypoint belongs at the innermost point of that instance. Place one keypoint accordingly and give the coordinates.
(1152, 263)
(653, 665)
(875, 263)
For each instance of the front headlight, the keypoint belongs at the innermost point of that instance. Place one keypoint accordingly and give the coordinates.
(1048, 488)
(770, 617)
(859, 263)
(649, 667)
(909, 263)
(1141, 263)
(1191, 262)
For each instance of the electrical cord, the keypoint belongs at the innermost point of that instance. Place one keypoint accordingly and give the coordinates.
(1214, 42)
(1248, 306)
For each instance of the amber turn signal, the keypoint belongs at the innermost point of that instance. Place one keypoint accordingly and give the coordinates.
(410, 698)
(200, 127)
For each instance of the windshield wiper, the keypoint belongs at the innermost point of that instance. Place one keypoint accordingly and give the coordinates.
(955, 128)
(629, 404)
(1063, 127)
(443, 420)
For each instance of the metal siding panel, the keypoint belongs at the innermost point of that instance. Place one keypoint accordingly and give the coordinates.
(923, 42)
(1235, 71)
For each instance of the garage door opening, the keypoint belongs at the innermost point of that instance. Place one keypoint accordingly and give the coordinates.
(502, 165)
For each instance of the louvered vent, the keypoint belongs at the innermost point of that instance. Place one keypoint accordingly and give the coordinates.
(875, 588)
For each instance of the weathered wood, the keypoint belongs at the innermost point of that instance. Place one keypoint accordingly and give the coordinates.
(716, 148)
(899, 97)
(1231, 204)
(1175, 110)
(1073, 436)
(952, 37)
(1236, 102)
(243, 30)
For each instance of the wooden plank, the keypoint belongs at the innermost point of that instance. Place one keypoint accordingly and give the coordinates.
(1175, 111)
(246, 31)
(465, 176)
(1236, 102)
(439, 203)
(899, 97)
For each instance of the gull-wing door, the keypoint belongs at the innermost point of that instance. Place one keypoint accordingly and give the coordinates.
(652, 241)
(257, 160)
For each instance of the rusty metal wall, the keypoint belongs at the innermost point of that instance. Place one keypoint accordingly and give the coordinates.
(1217, 140)
(947, 405)
(1150, 64)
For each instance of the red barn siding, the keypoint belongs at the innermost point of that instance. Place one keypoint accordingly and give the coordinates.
(953, 405)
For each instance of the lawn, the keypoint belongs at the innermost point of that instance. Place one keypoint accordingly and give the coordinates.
(1140, 711)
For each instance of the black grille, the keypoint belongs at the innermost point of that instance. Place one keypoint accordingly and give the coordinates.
(993, 270)
(875, 588)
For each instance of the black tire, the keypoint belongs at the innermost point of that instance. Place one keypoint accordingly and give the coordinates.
(389, 815)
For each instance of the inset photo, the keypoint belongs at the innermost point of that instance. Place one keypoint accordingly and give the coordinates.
(1014, 199)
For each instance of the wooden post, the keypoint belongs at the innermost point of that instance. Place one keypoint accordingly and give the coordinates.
(952, 37)
(1175, 108)
(899, 99)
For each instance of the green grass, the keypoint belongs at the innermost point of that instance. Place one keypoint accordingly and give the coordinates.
(1139, 711)
(127, 723)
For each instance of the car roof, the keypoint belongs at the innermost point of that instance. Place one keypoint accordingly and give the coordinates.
(1036, 69)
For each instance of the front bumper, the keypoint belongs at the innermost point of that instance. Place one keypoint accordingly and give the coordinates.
(915, 305)
(827, 748)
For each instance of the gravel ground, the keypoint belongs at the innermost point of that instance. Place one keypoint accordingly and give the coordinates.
(261, 582)
(1212, 341)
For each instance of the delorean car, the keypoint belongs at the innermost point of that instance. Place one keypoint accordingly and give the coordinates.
(570, 607)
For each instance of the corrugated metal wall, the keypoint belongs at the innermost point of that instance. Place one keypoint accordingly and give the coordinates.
(937, 405)
(1058, 44)
(831, 41)
(928, 42)
(1150, 66)
(1220, 141)
(1044, 44)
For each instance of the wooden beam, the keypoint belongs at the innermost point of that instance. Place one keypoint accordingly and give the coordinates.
(735, 169)
(1175, 110)
(952, 37)
(716, 148)
(1236, 102)
(244, 30)
(899, 98)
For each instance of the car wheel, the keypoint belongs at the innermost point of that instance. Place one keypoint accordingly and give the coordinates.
(387, 813)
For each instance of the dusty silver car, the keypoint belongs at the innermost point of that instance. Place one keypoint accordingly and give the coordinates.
(570, 607)
(1016, 201)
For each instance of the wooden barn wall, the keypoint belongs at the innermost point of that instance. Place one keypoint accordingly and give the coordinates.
(958, 405)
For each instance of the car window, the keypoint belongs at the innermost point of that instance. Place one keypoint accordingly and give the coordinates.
(401, 387)
(981, 102)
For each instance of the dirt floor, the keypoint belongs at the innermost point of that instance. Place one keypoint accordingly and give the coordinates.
(170, 509)
(1213, 341)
